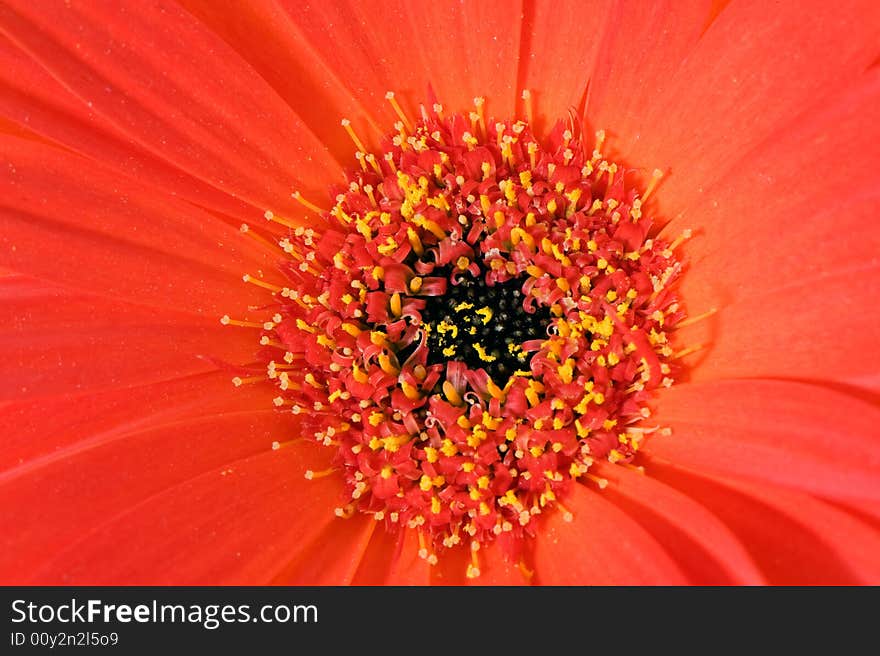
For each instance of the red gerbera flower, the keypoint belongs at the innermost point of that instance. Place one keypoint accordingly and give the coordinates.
(456, 359)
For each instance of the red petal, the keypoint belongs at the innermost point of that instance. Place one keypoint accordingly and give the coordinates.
(392, 558)
(497, 568)
(60, 342)
(233, 524)
(135, 470)
(703, 546)
(790, 434)
(205, 110)
(69, 220)
(739, 86)
(39, 102)
(495, 565)
(265, 36)
(452, 567)
(642, 47)
(42, 432)
(602, 546)
(331, 558)
(794, 538)
(781, 265)
(866, 511)
(558, 45)
(405, 46)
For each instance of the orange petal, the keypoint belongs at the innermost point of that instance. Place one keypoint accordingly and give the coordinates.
(46, 431)
(89, 473)
(786, 249)
(68, 342)
(642, 47)
(558, 46)
(703, 546)
(794, 538)
(36, 101)
(267, 37)
(737, 87)
(405, 47)
(498, 568)
(331, 558)
(205, 110)
(232, 524)
(603, 545)
(69, 220)
(392, 558)
(778, 432)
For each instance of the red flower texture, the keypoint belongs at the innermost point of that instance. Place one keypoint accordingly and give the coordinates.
(590, 299)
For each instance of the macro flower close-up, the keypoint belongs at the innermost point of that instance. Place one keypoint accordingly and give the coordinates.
(440, 293)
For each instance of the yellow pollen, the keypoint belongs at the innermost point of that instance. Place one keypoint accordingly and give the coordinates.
(485, 357)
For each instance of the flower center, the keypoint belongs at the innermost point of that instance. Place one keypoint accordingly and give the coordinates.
(480, 317)
(482, 326)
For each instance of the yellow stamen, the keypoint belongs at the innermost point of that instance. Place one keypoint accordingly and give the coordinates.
(530, 109)
(238, 382)
(451, 393)
(601, 482)
(411, 392)
(226, 321)
(396, 305)
(287, 223)
(260, 283)
(246, 229)
(473, 569)
(567, 515)
(683, 237)
(479, 103)
(312, 475)
(690, 349)
(692, 320)
(652, 185)
(391, 99)
(387, 365)
(302, 201)
(351, 133)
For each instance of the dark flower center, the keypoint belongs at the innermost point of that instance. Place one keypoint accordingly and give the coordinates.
(483, 326)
